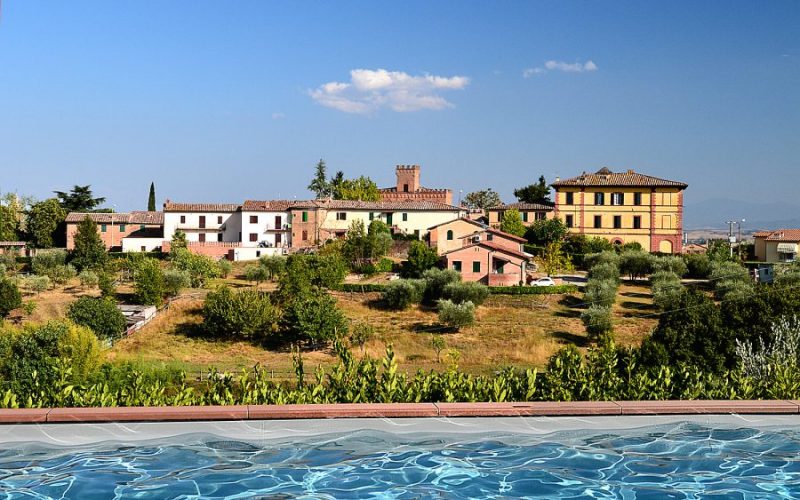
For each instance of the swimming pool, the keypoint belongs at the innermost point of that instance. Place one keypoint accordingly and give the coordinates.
(617, 457)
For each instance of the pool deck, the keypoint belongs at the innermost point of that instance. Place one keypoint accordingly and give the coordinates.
(395, 410)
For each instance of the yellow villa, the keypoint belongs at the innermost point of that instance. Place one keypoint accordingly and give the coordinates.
(623, 207)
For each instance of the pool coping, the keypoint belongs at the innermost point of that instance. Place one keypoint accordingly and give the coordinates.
(396, 410)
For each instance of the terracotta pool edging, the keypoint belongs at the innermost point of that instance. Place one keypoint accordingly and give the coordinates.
(395, 410)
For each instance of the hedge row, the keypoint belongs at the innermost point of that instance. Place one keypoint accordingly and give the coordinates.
(495, 290)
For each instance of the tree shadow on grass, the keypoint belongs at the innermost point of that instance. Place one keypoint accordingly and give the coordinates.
(571, 338)
(638, 306)
(422, 327)
(641, 295)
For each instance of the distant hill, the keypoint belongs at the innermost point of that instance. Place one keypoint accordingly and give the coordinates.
(712, 214)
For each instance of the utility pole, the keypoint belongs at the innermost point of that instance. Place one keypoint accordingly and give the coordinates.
(733, 239)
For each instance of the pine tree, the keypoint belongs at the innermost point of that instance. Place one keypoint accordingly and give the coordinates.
(320, 185)
(89, 251)
(151, 201)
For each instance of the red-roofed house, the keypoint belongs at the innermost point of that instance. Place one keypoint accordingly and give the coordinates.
(781, 245)
(114, 227)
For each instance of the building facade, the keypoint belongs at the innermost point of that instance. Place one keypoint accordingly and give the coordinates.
(113, 228)
(266, 224)
(530, 212)
(623, 207)
(781, 245)
(408, 188)
(203, 222)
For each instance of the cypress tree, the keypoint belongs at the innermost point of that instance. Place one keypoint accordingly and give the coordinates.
(151, 201)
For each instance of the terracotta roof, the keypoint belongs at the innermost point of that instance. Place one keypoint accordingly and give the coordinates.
(493, 246)
(267, 205)
(386, 205)
(605, 177)
(147, 218)
(790, 235)
(761, 234)
(463, 219)
(524, 206)
(99, 217)
(170, 206)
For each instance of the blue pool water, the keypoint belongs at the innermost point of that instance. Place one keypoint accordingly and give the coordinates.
(684, 460)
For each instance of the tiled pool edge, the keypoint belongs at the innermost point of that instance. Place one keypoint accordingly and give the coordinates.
(395, 410)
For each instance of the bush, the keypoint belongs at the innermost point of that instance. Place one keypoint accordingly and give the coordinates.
(435, 281)
(45, 260)
(106, 284)
(8, 260)
(61, 275)
(597, 321)
(609, 257)
(361, 334)
(698, 266)
(466, 292)
(101, 315)
(400, 294)
(420, 259)
(604, 271)
(88, 279)
(314, 317)
(274, 264)
(37, 284)
(728, 276)
(636, 264)
(10, 298)
(256, 273)
(242, 314)
(200, 268)
(384, 265)
(671, 263)
(148, 282)
(666, 287)
(532, 290)
(601, 292)
(175, 281)
(455, 315)
(225, 267)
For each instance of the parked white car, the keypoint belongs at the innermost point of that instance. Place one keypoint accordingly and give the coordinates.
(547, 281)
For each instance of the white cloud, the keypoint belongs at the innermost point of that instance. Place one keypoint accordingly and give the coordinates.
(278, 116)
(370, 90)
(565, 67)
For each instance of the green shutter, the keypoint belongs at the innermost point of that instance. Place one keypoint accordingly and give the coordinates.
(476, 266)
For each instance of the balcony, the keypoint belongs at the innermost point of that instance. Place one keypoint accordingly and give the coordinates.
(272, 228)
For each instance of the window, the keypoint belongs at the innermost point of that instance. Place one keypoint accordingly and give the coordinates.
(141, 226)
(254, 219)
(476, 266)
(183, 219)
(405, 217)
(219, 219)
(143, 248)
(341, 215)
(489, 236)
(637, 198)
(305, 234)
(457, 265)
(598, 221)
(540, 216)
(416, 233)
(599, 198)
(524, 216)
(201, 237)
(253, 236)
(617, 198)
(371, 216)
(570, 221)
(103, 228)
(617, 222)
(305, 217)
(122, 228)
(405, 188)
(570, 198)
(219, 236)
(637, 221)
(278, 221)
(449, 234)
(202, 221)
(258, 253)
(499, 265)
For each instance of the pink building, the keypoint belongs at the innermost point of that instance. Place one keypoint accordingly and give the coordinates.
(112, 227)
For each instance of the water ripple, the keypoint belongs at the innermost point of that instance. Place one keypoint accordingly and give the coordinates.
(681, 461)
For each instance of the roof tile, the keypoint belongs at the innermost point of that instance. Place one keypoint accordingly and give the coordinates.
(605, 177)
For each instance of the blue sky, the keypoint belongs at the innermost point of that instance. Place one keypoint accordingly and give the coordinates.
(223, 101)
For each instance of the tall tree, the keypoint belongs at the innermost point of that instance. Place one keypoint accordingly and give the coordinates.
(8, 224)
(79, 199)
(361, 189)
(89, 251)
(538, 192)
(483, 199)
(544, 232)
(151, 200)
(44, 219)
(512, 223)
(319, 184)
(335, 185)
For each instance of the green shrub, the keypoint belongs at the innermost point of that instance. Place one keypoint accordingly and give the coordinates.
(88, 278)
(274, 264)
(175, 281)
(728, 276)
(597, 321)
(671, 263)
(148, 283)
(61, 275)
(466, 292)
(360, 334)
(400, 294)
(8, 260)
(636, 264)
(200, 268)
(242, 314)
(314, 318)
(384, 265)
(666, 287)
(456, 316)
(106, 284)
(361, 287)
(45, 260)
(435, 281)
(10, 297)
(256, 273)
(532, 290)
(698, 266)
(601, 292)
(420, 259)
(607, 256)
(101, 315)
(225, 267)
(37, 284)
(604, 271)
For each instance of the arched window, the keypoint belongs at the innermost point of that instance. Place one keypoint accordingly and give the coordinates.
(449, 234)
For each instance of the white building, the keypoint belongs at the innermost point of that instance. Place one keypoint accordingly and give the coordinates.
(203, 222)
(265, 224)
